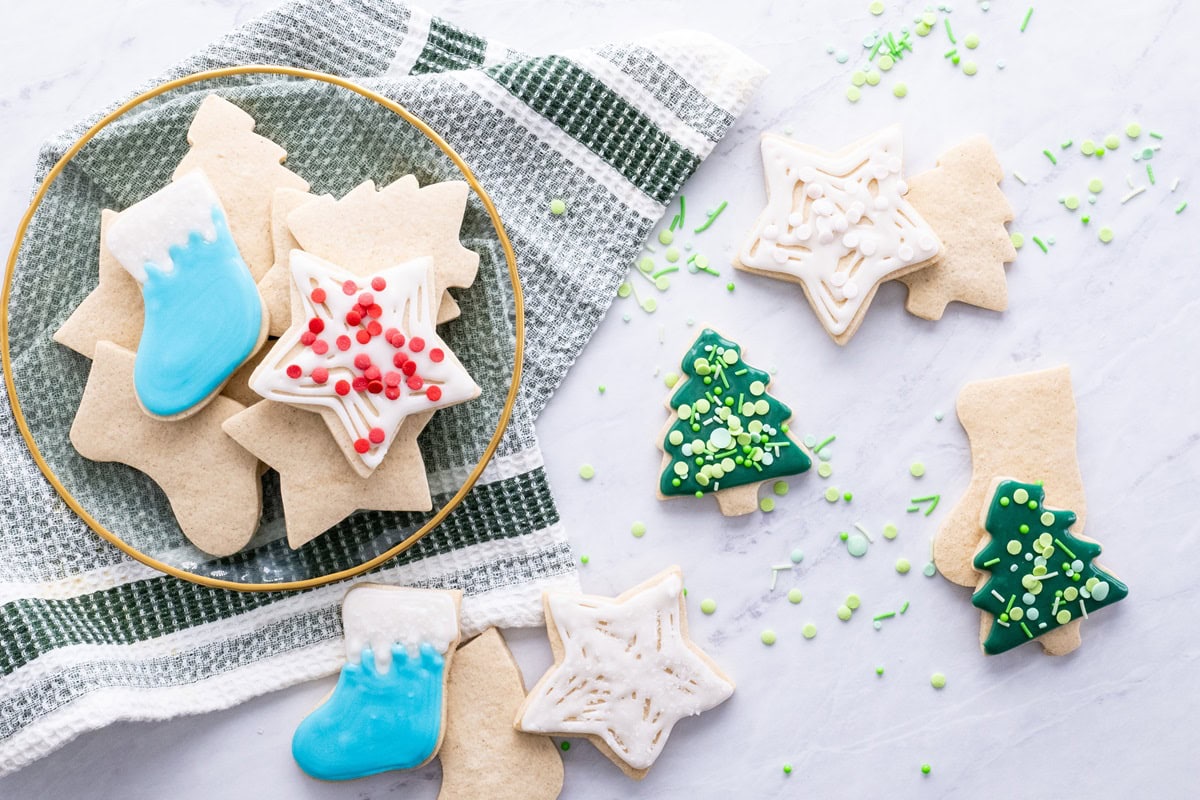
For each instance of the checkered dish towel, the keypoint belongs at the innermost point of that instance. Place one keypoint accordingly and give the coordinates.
(89, 636)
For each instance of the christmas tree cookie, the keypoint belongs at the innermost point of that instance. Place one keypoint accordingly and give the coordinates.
(1040, 576)
(726, 434)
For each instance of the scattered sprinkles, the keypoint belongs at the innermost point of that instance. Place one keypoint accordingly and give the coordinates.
(794, 596)
(558, 207)
(638, 529)
(587, 472)
(937, 680)
(916, 469)
(768, 637)
(808, 631)
(708, 605)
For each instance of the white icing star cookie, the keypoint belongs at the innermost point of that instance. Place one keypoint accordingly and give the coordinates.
(625, 672)
(838, 224)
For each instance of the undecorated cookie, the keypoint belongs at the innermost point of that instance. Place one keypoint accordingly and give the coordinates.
(625, 671)
(961, 199)
(723, 417)
(112, 312)
(483, 756)
(211, 482)
(388, 709)
(838, 224)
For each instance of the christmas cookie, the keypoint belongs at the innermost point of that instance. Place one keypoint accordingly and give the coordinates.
(365, 351)
(203, 315)
(1038, 575)
(388, 709)
(964, 204)
(483, 756)
(211, 482)
(625, 671)
(1022, 425)
(838, 224)
(727, 434)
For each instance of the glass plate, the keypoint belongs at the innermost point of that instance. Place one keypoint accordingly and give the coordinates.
(364, 137)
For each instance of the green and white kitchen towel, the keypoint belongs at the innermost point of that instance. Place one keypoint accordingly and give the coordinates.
(89, 636)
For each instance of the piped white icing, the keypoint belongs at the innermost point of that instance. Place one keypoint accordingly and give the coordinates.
(379, 616)
(837, 222)
(147, 230)
(627, 673)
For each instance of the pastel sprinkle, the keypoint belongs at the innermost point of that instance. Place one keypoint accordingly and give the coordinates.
(930, 570)
(767, 505)
(1041, 245)
(900, 90)
(1106, 234)
(558, 207)
(853, 94)
(844, 613)
(787, 769)
(824, 469)
(1050, 156)
(584, 559)
(971, 41)
(808, 631)
(1018, 240)
(925, 768)
(670, 379)
(780, 488)
(938, 680)
(587, 472)
(794, 596)
(1095, 185)
(768, 637)
(970, 68)
(916, 469)
(889, 531)
(1133, 130)
(638, 529)
(708, 605)
(832, 494)
(876, 8)
(903, 566)
(1112, 141)
(1179, 208)
(1025, 22)
(797, 556)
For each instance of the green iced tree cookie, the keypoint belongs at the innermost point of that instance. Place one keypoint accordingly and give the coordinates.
(1042, 577)
(726, 431)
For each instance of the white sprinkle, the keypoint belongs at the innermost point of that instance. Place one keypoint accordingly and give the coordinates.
(997, 595)
(1129, 180)
(1003, 624)
(1019, 177)
(774, 577)
(662, 334)
(863, 531)
(1054, 610)
(1132, 194)
(1046, 577)
(1175, 184)
(779, 567)
(649, 249)
(1083, 608)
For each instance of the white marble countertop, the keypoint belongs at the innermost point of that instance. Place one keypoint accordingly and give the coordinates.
(1115, 718)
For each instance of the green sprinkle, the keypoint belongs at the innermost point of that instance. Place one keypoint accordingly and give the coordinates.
(879, 671)
(1025, 628)
(1025, 22)
(949, 32)
(925, 768)
(1087, 147)
(729, 286)
(708, 605)
(666, 237)
(1046, 153)
(565, 746)
(848, 496)
(809, 630)
(780, 488)
(584, 559)
(1085, 220)
(794, 596)
(1040, 244)
(1018, 241)
(1154, 135)
(827, 441)
(1095, 186)
(768, 637)
(916, 469)
(601, 388)
(670, 379)
(938, 680)
(787, 768)
(712, 217)
(587, 472)
(904, 607)
(1067, 144)
(1106, 234)
(900, 90)
(876, 8)
(883, 616)
(971, 41)
(1150, 174)
(932, 499)
(853, 601)
(844, 613)
(1133, 130)
(951, 53)
(903, 566)
(767, 504)
(991, 563)
(638, 530)
(1112, 141)
(557, 207)
(1179, 208)
(889, 531)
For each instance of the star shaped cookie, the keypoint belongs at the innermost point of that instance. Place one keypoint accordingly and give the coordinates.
(625, 672)
(838, 224)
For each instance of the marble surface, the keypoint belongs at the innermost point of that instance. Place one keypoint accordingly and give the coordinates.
(1117, 717)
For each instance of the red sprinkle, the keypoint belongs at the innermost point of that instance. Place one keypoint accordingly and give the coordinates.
(375, 311)
(318, 295)
(320, 375)
(349, 287)
(396, 340)
(363, 336)
(415, 382)
(320, 347)
(392, 393)
(361, 445)
(316, 324)
(376, 435)
(353, 318)
(294, 371)
(436, 355)
(375, 387)
(374, 328)
(434, 393)
(360, 384)
(343, 343)
(366, 299)
(362, 361)
(342, 388)
(392, 379)
(378, 284)
(371, 373)
(409, 367)
(307, 338)
(399, 359)
(416, 344)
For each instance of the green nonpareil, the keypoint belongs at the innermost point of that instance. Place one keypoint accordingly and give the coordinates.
(727, 430)
(1042, 577)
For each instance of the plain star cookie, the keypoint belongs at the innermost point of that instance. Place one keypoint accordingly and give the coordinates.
(838, 224)
(625, 672)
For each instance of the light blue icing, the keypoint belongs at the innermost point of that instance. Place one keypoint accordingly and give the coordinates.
(375, 722)
(203, 319)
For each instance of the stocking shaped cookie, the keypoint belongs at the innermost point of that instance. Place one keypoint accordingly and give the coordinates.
(625, 671)
(203, 315)
(388, 710)
(727, 434)
(838, 224)
(964, 204)
(483, 755)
